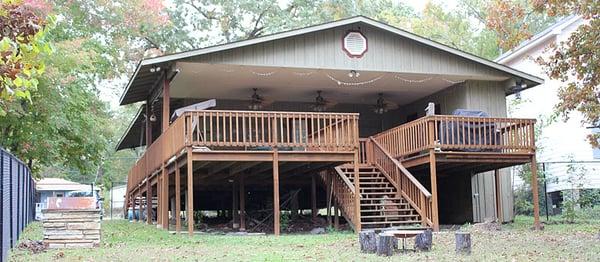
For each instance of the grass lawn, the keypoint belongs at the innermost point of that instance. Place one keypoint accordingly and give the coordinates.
(124, 241)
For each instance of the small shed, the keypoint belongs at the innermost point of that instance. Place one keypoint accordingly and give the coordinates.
(56, 187)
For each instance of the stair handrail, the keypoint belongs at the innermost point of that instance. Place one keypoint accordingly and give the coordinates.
(345, 179)
(419, 199)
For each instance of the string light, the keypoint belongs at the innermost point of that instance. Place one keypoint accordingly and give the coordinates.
(340, 82)
(263, 74)
(413, 81)
(302, 73)
(452, 82)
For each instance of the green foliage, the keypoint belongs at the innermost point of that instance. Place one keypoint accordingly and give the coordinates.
(284, 220)
(22, 46)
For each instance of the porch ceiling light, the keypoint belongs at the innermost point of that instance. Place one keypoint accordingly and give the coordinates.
(353, 74)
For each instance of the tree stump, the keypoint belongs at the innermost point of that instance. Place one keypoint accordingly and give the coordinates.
(385, 244)
(424, 240)
(463, 242)
(368, 241)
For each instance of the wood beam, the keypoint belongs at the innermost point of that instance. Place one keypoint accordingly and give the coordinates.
(190, 192)
(149, 197)
(357, 225)
(159, 207)
(165, 209)
(166, 112)
(276, 212)
(234, 205)
(329, 193)
(313, 195)
(177, 199)
(534, 191)
(434, 193)
(242, 202)
(498, 196)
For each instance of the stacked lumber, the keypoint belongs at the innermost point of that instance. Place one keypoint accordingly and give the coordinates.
(71, 228)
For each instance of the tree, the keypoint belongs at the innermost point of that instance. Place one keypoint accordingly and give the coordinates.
(575, 62)
(23, 43)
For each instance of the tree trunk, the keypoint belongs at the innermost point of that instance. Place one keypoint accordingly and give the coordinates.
(385, 244)
(367, 240)
(463, 242)
(424, 240)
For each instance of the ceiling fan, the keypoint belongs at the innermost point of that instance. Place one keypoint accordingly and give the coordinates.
(383, 105)
(257, 101)
(321, 104)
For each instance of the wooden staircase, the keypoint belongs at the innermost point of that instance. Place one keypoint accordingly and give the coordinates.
(381, 205)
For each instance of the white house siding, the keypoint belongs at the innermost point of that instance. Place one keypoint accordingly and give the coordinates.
(561, 140)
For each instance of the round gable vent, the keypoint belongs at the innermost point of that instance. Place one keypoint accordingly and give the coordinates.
(354, 44)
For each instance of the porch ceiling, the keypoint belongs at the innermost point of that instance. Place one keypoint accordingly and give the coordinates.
(221, 81)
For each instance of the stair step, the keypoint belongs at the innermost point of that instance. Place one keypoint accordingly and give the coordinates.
(392, 222)
(388, 204)
(374, 183)
(381, 199)
(386, 210)
(389, 216)
(379, 193)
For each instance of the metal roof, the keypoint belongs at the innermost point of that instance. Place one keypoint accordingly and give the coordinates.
(141, 82)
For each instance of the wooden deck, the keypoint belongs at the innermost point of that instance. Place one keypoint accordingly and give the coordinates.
(209, 148)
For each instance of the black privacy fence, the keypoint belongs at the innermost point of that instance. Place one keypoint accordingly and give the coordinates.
(17, 206)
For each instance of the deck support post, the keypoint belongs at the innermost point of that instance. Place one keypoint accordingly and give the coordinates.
(499, 214)
(357, 226)
(159, 207)
(177, 208)
(133, 205)
(190, 192)
(313, 196)
(166, 112)
(165, 210)
(234, 205)
(329, 182)
(534, 191)
(276, 212)
(149, 202)
(336, 216)
(242, 203)
(434, 193)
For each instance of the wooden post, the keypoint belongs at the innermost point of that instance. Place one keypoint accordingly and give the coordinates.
(357, 226)
(434, 193)
(149, 193)
(177, 198)
(133, 206)
(328, 190)
(165, 210)
(234, 205)
(190, 192)
(149, 203)
(166, 112)
(276, 212)
(499, 214)
(242, 203)
(534, 190)
(336, 216)
(159, 194)
(313, 196)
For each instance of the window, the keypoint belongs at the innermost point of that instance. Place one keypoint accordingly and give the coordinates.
(596, 151)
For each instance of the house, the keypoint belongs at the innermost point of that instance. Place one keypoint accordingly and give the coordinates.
(56, 187)
(310, 110)
(558, 151)
(117, 201)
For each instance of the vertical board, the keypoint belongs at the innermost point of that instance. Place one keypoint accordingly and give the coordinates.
(5, 204)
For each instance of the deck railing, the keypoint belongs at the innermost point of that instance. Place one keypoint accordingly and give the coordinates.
(249, 130)
(459, 133)
(406, 184)
(344, 193)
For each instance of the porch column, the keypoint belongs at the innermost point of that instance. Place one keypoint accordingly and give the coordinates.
(159, 207)
(133, 205)
(434, 193)
(276, 212)
(177, 198)
(328, 191)
(165, 210)
(534, 191)
(358, 225)
(313, 196)
(148, 123)
(149, 194)
(190, 193)
(166, 104)
(234, 205)
(242, 203)
(498, 196)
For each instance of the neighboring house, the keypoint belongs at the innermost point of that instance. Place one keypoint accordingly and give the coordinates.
(310, 110)
(117, 201)
(56, 187)
(562, 141)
